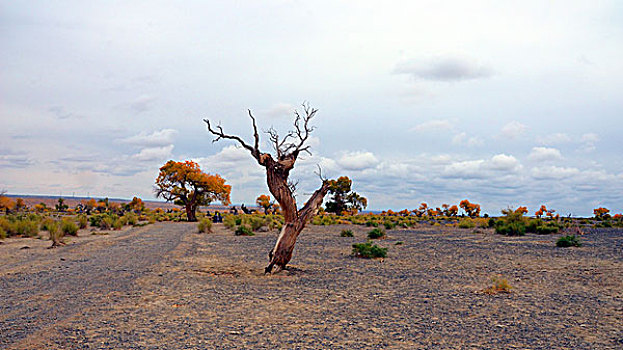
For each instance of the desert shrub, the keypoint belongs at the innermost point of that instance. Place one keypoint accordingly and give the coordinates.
(547, 229)
(256, 222)
(376, 233)
(500, 285)
(43, 226)
(368, 250)
(82, 221)
(229, 221)
(492, 222)
(28, 228)
(511, 229)
(69, 228)
(372, 223)
(399, 243)
(244, 230)
(117, 223)
(467, 223)
(55, 232)
(346, 233)
(105, 223)
(568, 241)
(205, 225)
(238, 220)
(3, 233)
(389, 225)
(130, 218)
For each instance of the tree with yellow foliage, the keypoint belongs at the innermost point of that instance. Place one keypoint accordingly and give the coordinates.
(185, 184)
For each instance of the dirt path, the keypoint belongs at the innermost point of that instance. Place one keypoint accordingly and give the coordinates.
(167, 287)
(65, 282)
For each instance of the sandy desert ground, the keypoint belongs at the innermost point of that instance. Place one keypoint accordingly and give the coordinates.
(164, 286)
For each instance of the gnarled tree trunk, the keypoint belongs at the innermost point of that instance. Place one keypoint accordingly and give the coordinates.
(277, 173)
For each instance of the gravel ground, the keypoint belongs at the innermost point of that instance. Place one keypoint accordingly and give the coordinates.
(166, 287)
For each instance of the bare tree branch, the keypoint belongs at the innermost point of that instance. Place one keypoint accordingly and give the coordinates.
(220, 134)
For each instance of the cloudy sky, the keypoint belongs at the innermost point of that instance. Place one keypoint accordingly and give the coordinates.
(503, 102)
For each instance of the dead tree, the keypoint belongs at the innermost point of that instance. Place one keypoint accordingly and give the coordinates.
(278, 168)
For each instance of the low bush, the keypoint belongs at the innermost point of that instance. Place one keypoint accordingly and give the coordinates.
(368, 250)
(547, 229)
(500, 285)
(27, 228)
(205, 225)
(3, 233)
(511, 229)
(117, 223)
(56, 234)
(376, 233)
(372, 223)
(82, 221)
(346, 233)
(568, 241)
(244, 230)
(467, 223)
(130, 219)
(69, 228)
(229, 221)
(389, 225)
(45, 223)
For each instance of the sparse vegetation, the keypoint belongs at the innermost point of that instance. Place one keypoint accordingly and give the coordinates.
(244, 230)
(568, 241)
(499, 285)
(69, 228)
(368, 250)
(205, 225)
(346, 233)
(376, 233)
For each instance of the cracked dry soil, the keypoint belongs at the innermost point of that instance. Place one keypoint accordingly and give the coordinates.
(165, 286)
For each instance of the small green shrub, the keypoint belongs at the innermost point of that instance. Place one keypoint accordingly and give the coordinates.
(205, 225)
(399, 243)
(56, 234)
(117, 223)
(27, 228)
(256, 222)
(238, 220)
(568, 241)
(376, 233)
(244, 230)
(130, 219)
(105, 223)
(229, 221)
(546, 229)
(346, 233)
(511, 229)
(467, 223)
(3, 233)
(492, 222)
(69, 228)
(45, 223)
(372, 223)
(389, 225)
(368, 250)
(82, 221)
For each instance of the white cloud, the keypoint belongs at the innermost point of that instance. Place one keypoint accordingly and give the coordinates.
(437, 124)
(589, 140)
(357, 160)
(554, 172)
(154, 153)
(463, 139)
(465, 169)
(554, 139)
(444, 69)
(543, 154)
(503, 162)
(513, 129)
(157, 138)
